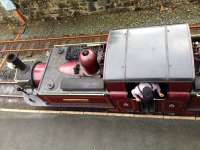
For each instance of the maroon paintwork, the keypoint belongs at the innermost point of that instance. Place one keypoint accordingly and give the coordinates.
(88, 60)
(180, 86)
(178, 100)
(181, 97)
(68, 68)
(118, 95)
(38, 71)
(79, 101)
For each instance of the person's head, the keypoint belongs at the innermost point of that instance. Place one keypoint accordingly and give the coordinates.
(147, 94)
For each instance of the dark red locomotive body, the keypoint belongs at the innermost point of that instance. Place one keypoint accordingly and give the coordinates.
(102, 75)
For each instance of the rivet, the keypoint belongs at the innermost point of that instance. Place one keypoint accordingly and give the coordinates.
(60, 50)
(50, 84)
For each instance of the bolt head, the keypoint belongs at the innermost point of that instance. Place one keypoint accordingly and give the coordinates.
(50, 84)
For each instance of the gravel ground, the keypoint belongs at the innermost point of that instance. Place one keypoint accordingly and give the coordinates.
(95, 24)
(6, 32)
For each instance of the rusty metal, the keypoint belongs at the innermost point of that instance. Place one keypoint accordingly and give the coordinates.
(24, 50)
(46, 43)
(81, 37)
(12, 96)
(43, 44)
(8, 82)
(195, 26)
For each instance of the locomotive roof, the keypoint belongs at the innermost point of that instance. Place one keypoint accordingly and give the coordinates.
(158, 53)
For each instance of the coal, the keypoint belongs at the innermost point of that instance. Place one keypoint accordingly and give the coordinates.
(72, 53)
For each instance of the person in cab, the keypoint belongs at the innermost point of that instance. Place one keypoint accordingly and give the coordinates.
(144, 93)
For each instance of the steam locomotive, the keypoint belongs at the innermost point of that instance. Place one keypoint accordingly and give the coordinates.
(101, 75)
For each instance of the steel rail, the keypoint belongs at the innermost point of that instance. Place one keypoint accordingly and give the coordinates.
(24, 50)
(105, 35)
(11, 96)
(38, 49)
(41, 43)
(195, 26)
(58, 38)
(8, 82)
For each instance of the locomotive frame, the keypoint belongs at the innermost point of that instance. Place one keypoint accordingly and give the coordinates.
(163, 54)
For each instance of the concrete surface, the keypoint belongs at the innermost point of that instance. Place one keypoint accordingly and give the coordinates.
(21, 131)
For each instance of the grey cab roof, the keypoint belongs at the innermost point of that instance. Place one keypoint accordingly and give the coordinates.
(158, 53)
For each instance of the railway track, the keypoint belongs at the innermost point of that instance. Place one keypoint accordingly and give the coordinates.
(46, 44)
(7, 89)
(9, 97)
(195, 26)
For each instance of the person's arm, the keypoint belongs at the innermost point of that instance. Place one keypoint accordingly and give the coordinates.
(137, 98)
(159, 90)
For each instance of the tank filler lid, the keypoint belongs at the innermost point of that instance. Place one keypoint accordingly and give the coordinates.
(158, 53)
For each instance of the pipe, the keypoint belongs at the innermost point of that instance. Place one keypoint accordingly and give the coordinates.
(12, 58)
(18, 14)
